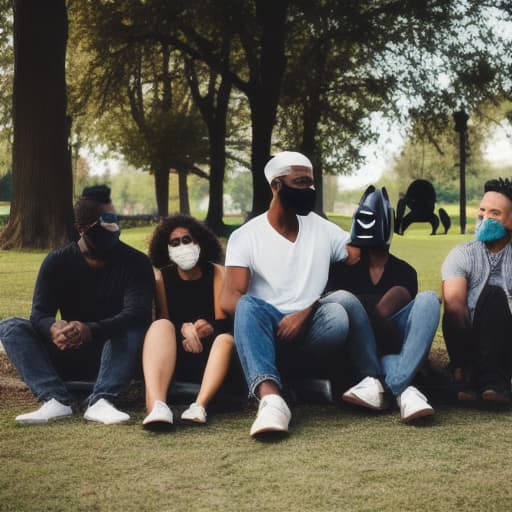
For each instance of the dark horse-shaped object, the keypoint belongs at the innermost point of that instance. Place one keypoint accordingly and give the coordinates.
(420, 198)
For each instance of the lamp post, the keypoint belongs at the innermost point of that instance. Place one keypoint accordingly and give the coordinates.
(461, 126)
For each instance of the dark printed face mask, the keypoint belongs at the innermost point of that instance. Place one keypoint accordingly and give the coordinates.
(102, 237)
(301, 200)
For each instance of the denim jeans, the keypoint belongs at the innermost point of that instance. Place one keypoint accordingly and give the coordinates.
(256, 323)
(417, 323)
(31, 355)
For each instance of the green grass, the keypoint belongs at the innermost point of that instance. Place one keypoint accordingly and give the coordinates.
(336, 457)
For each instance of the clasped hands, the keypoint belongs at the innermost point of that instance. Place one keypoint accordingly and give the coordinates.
(70, 335)
(192, 333)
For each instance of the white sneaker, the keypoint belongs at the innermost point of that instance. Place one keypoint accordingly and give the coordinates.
(413, 405)
(195, 413)
(368, 393)
(51, 410)
(103, 411)
(161, 415)
(273, 415)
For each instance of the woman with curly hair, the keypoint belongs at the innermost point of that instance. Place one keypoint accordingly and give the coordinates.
(191, 332)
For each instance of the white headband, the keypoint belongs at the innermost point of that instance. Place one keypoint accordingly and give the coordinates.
(281, 164)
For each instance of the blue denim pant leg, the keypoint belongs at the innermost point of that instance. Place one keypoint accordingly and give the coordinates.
(327, 332)
(417, 322)
(118, 360)
(360, 342)
(255, 326)
(27, 352)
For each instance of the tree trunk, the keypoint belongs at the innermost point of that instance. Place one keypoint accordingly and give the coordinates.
(161, 176)
(183, 192)
(217, 138)
(41, 210)
(265, 93)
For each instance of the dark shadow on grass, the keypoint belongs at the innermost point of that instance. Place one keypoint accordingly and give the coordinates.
(159, 428)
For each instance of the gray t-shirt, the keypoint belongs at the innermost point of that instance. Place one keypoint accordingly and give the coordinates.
(470, 260)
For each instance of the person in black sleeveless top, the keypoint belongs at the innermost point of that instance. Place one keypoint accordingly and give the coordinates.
(191, 332)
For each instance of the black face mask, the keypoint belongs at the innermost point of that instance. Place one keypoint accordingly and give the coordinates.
(101, 241)
(302, 200)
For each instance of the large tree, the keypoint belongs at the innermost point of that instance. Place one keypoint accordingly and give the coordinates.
(41, 209)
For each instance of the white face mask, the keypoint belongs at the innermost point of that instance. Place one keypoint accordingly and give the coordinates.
(185, 255)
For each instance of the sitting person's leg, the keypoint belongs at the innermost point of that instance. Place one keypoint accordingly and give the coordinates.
(29, 355)
(215, 372)
(117, 365)
(492, 326)
(417, 322)
(255, 325)
(158, 364)
(362, 349)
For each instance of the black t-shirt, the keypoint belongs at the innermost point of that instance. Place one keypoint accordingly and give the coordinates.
(356, 278)
(108, 299)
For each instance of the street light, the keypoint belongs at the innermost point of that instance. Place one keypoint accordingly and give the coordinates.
(461, 126)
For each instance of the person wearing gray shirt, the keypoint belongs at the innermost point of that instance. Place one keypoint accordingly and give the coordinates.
(477, 291)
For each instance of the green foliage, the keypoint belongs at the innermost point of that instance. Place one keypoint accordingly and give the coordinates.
(239, 188)
(6, 187)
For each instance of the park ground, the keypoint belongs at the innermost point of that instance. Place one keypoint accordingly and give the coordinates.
(336, 457)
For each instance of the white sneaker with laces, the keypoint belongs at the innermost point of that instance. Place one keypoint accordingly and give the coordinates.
(413, 405)
(367, 393)
(160, 415)
(273, 415)
(50, 410)
(196, 413)
(104, 412)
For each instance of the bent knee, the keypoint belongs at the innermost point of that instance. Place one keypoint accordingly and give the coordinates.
(225, 339)
(161, 328)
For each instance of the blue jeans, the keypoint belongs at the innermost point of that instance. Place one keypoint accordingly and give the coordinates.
(31, 355)
(417, 323)
(255, 327)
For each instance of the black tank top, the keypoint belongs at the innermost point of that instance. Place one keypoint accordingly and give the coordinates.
(187, 301)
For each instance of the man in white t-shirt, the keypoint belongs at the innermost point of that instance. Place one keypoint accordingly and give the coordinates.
(277, 266)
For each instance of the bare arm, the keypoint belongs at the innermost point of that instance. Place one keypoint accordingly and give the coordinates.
(455, 292)
(354, 255)
(161, 299)
(236, 283)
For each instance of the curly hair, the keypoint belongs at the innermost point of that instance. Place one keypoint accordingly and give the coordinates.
(211, 249)
(501, 185)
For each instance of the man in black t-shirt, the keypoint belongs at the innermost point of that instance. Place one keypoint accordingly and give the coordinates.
(91, 308)
(404, 322)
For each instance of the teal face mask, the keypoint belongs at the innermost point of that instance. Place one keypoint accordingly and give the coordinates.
(489, 230)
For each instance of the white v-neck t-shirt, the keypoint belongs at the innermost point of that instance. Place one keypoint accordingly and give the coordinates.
(288, 275)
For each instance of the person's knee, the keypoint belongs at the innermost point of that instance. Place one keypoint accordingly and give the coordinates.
(224, 340)
(333, 320)
(11, 328)
(161, 328)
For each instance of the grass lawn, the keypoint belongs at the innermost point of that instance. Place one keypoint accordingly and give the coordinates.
(335, 458)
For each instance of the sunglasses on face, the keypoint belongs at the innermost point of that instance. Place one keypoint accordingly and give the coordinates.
(109, 221)
(185, 240)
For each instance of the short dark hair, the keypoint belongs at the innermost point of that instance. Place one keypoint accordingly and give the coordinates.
(211, 249)
(501, 185)
(88, 205)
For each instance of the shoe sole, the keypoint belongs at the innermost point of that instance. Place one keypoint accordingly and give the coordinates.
(40, 422)
(268, 429)
(354, 399)
(158, 426)
(116, 422)
(194, 420)
(423, 413)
